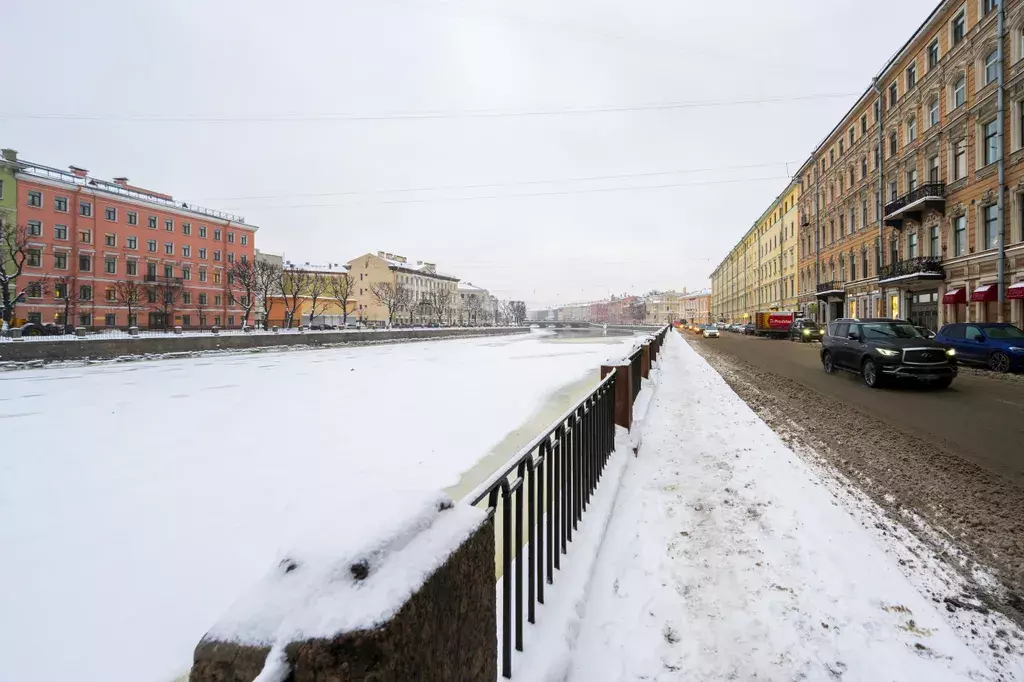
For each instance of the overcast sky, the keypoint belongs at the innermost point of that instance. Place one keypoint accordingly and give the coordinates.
(306, 118)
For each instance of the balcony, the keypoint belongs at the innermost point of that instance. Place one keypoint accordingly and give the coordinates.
(164, 281)
(913, 204)
(805, 220)
(831, 289)
(913, 269)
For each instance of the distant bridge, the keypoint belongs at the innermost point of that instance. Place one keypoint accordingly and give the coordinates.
(561, 325)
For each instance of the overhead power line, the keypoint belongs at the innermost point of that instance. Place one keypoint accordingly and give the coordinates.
(415, 115)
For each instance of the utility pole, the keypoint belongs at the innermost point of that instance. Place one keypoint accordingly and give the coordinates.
(1000, 241)
(881, 197)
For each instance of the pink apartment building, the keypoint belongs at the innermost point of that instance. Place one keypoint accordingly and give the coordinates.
(89, 235)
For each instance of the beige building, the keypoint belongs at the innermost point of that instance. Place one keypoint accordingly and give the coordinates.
(696, 307)
(415, 289)
(664, 307)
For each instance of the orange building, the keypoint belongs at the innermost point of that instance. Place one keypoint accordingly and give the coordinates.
(90, 241)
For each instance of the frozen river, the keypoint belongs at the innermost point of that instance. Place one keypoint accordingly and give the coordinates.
(138, 499)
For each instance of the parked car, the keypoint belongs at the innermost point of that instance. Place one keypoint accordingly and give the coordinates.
(748, 329)
(711, 332)
(804, 330)
(881, 349)
(997, 345)
(924, 331)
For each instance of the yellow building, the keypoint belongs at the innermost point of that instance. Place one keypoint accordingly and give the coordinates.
(413, 293)
(312, 295)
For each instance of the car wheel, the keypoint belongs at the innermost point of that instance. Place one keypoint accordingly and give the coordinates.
(869, 372)
(826, 362)
(941, 383)
(999, 362)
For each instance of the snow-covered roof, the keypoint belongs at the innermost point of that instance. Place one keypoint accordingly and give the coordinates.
(418, 268)
(466, 287)
(329, 268)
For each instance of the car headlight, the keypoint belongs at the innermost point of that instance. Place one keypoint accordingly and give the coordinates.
(951, 352)
(1016, 349)
(807, 332)
(888, 352)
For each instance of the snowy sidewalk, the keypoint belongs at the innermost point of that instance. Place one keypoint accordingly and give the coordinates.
(726, 559)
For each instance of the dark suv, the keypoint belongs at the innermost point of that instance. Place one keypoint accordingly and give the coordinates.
(805, 330)
(880, 349)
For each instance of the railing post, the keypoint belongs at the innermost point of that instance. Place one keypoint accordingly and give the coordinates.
(645, 360)
(621, 398)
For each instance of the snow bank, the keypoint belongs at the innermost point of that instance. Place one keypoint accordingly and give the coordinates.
(726, 559)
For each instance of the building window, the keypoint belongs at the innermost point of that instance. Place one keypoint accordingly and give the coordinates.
(851, 138)
(911, 76)
(959, 160)
(231, 237)
(991, 227)
(894, 144)
(831, 157)
(245, 239)
(933, 168)
(186, 320)
(169, 248)
(60, 232)
(85, 209)
(911, 180)
(959, 27)
(842, 226)
(85, 319)
(893, 95)
(60, 261)
(131, 267)
(933, 54)
(894, 191)
(35, 199)
(988, 5)
(216, 235)
(991, 67)
(863, 167)
(85, 292)
(202, 231)
(151, 222)
(169, 225)
(151, 245)
(933, 112)
(85, 236)
(933, 241)
(202, 275)
(35, 258)
(853, 220)
(110, 239)
(959, 92)
(864, 124)
(959, 235)
(110, 213)
(202, 254)
(168, 271)
(911, 130)
(217, 299)
(85, 263)
(60, 204)
(60, 291)
(216, 256)
(864, 213)
(110, 320)
(186, 251)
(912, 245)
(990, 153)
(133, 218)
(203, 299)
(34, 290)
(34, 228)
(841, 148)
(111, 295)
(216, 278)
(110, 265)
(186, 273)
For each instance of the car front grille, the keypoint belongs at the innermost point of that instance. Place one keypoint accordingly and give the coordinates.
(924, 356)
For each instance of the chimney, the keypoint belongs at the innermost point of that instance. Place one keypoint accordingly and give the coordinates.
(9, 154)
(400, 259)
(123, 182)
(79, 172)
(380, 254)
(389, 256)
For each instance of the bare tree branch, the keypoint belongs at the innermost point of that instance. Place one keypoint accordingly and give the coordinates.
(393, 296)
(268, 281)
(242, 278)
(319, 284)
(439, 301)
(341, 290)
(129, 293)
(13, 255)
(294, 285)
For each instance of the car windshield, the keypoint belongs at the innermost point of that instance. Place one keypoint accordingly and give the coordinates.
(889, 330)
(1007, 332)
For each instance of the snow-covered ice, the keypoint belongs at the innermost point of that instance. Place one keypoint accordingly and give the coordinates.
(140, 500)
(726, 559)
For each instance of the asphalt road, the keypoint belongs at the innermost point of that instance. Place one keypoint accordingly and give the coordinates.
(980, 419)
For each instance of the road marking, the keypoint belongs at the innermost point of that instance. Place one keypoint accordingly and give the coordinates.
(1009, 402)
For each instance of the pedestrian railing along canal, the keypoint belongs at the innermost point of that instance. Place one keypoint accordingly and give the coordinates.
(542, 493)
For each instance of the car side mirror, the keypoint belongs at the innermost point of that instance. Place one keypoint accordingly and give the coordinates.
(979, 338)
(853, 336)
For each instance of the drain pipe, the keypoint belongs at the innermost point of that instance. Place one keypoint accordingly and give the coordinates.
(881, 199)
(1001, 242)
(817, 241)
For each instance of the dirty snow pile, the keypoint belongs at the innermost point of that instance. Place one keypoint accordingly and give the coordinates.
(726, 559)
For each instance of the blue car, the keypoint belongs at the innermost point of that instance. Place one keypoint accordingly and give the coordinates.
(997, 345)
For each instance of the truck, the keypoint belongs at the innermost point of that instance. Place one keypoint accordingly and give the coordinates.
(773, 323)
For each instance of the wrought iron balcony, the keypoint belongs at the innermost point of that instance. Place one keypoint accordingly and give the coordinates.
(911, 205)
(166, 281)
(922, 267)
(805, 220)
(830, 288)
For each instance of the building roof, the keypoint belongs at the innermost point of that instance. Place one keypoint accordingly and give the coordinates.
(466, 287)
(327, 268)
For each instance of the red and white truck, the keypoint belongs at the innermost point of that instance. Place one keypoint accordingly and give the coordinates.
(773, 323)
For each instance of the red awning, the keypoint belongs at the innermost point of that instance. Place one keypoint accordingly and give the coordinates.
(955, 296)
(1015, 290)
(985, 293)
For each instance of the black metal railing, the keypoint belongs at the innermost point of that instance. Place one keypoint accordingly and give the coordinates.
(912, 266)
(929, 189)
(635, 361)
(558, 473)
(830, 286)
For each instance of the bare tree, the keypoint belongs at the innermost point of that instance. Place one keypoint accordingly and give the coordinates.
(439, 301)
(201, 308)
(13, 255)
(393, 296)
(637, 310)
(474, 309)
(129, 293)
(341, 290)
(319, 285)
(268, 281)
(243, 280)
(65, 288)
(294, 284)
(163, 297)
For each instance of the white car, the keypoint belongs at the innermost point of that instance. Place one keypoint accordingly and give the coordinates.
(710, 332)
